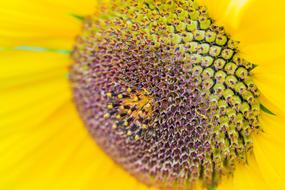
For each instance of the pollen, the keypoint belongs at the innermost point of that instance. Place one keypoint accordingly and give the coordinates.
(165, 92)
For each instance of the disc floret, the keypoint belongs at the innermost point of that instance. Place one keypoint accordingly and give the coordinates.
(165, 92)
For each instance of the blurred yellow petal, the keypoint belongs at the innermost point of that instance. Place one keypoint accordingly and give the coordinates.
(261, 21)
(226, 184)
(43, 142)
(25, 67)
(269, 151)
(250, 21)
(227, 13)
(248, 177)
(47, 147)
(269, 77)
(82, 7)
(59, 43)
(245, 177)
(264, 45)
(216, 8)
(28, 19)
(75, 163)
(19, 99)
(30, 22)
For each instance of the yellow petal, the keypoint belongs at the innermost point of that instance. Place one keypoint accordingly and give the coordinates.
(26, 19)
(61, 155)
(24, 67)
(49, 148)
(226, 13)
(42, 22)
(269, 151)
(43, 143)
(260, 28)
(23, 100)
(270, 79)
(248, 177)
(257, 24)
(249, 21)
(245, 177)
(226, 184)
(261, 21)
(54, 43)
(82, 7)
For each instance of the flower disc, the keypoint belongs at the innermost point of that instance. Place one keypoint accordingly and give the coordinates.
(164, 92)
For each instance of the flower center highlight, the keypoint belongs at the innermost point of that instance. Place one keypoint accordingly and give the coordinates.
(164, 92)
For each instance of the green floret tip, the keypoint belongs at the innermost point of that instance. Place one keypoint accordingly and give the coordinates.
(212, 188)
(78, 17)
(266, 110)
(37, 49)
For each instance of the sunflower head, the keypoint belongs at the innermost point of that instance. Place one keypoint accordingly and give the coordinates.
(165, 92)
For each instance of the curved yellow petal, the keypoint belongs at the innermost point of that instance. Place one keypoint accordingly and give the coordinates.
(26, 19)
(269, 73)
(258, 24)
(226, 184)
(270, 152)
(261, 21)
(24, 100)
(249, 177)
(59, 154)
(55, 43)
(31, 22)
(82, 7)
(245, 177)
(43, 144)
(25, 67)
(249, 21)
(265, 46)
(226, 13)
(270, 79)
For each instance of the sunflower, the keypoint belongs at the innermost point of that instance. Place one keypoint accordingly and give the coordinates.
(78, 72)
